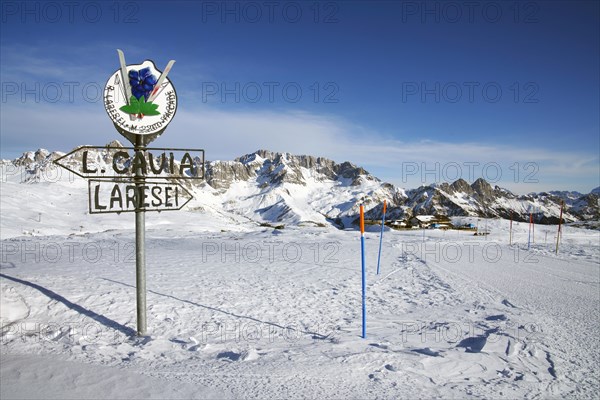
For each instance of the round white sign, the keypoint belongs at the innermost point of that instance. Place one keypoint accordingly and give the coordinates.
(141, 103)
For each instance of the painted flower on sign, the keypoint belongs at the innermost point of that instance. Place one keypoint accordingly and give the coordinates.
(142, 82)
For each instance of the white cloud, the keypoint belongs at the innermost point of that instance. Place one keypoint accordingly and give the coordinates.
(52, 63)
(229, 134)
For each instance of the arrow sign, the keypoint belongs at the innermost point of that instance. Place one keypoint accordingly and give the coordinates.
(125, 196)
(121, 162)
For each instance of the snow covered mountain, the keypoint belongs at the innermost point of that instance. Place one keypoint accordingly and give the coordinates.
(284, 186)
(281, 188)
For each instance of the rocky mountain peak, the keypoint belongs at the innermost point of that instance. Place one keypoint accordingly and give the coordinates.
(40, 156)
(483, 188)
(115, 143)
(460, 185)
(274, 168)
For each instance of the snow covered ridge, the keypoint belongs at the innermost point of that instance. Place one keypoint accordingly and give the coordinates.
(270, 187)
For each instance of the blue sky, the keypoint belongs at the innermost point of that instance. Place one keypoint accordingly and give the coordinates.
(416, 92)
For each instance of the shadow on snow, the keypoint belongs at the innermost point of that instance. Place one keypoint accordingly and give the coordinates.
(109, 323)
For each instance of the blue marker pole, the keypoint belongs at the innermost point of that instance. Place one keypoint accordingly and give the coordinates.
(364, 277)
(381, 236)
(529, 236)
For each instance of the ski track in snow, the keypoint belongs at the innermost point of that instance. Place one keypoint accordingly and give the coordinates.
(286, 324)
(560, 327)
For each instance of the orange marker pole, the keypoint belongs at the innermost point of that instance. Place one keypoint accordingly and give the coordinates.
(364, 275)
(381, 235)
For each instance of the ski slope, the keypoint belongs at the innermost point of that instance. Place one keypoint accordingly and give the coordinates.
(240, 311)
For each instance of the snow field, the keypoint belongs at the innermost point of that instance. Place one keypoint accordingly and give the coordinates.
(236, 310)
(276, 313)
